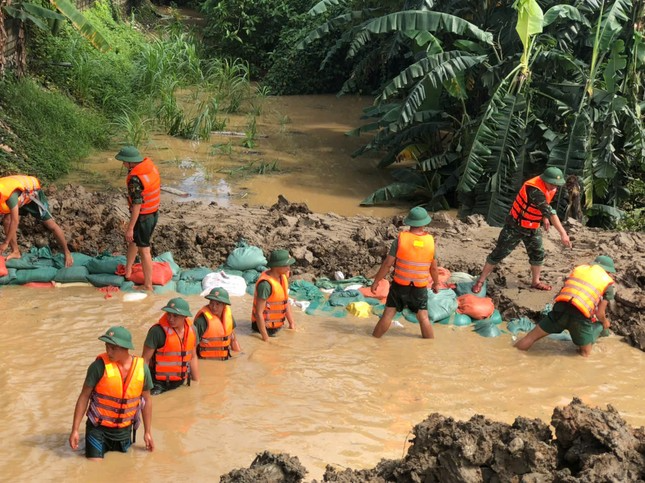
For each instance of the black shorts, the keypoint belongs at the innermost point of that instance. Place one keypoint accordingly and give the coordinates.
(160, 387)
(98, 441)
(143, 229)
(401, 296)
(270, 332)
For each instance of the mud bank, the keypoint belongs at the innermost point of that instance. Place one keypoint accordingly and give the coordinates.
(203, 235)
(583, 444)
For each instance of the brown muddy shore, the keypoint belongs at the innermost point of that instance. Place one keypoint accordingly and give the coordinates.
(582, 444)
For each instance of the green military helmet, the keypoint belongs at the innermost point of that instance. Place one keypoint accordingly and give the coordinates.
(177, 306)
(119, 336)
(129, 154)
(418, 216)
(553, 175)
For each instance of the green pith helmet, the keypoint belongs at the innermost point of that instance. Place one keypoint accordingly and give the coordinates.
(417, 217)
(129, 154)
(219, 295)
(119, 336)
(177, 306)
(553, 175)
(280, 258)
(607, 263)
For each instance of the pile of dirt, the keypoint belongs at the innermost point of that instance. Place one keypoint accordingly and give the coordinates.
(590, 444)
(203, 235)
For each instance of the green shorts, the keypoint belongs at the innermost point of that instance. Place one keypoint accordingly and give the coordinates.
(143, 229)
(100, 440)
(32, 208)
(565, 316)
(402, 296)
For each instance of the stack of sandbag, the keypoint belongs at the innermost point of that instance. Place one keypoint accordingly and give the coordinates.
(235, 285)
(77, 273)
(34, 267)
(442, 304)
(170, 285)
(103, 270)
(190, 280)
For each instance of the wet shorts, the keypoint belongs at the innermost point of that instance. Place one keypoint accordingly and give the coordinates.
(143, 229)
(270, 332)
(566, 316)
(98, 442)
(401, 296)
(38, 211)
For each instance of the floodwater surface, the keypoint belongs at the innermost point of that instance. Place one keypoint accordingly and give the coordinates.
(327, 392)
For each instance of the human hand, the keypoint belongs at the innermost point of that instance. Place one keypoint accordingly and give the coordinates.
(435, 287)
(73, 439)
(546, 223)
(374, 286)
(150, 444)
(292, 325)
(129, 235)
(565, 240)
(606, 323)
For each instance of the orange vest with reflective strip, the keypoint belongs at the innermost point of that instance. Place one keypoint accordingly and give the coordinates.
(148, 173)
(25, 184)
(584, 288)
(172, 360)
(275, 310)
(215, 342)
(114, 402)
(414, 256)
(526, 214)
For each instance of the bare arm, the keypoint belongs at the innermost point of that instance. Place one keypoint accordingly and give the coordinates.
(147, 354)
(194, 366)
(235, 344)
(555, 221)
(387, 264)
(292, 323)
(259, 312)
(79, 410)
(601, 313)
(434, 273)
(11, 228)
(146, 414)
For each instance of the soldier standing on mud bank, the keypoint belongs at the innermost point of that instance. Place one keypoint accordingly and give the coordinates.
(579, 306)
(530, 210)
(116, 389)
(144, 193)
(22, 195)
(413, 258)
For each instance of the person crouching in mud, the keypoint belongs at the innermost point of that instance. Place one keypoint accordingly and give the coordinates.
(271, 299)
(413, 256)
(169, 348)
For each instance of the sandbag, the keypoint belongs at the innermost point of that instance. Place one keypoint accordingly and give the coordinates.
(233, 284)
(486, 329)
(442, 304)
(105, 264)
(476, 307)
(456, 319)
(461, 277)
(25, 262)
(40, 284)
(359, 309)
(44, 274)
(342, 298)
(105, 279)
(169, 287)
(72, 274)
(9, 277)
(81, 259)
(167, 257)
(250, 276)
(189, 287)
(161, 273)
(463, 288)
(381, 291)
(4, 271)
(245, 257)
(495, 318)
(194, 274)
(444, 275)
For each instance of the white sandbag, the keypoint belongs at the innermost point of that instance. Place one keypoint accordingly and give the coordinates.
(134, 296)
(233, 284)
(461, 277)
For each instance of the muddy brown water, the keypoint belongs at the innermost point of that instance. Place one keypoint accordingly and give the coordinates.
(328, 392)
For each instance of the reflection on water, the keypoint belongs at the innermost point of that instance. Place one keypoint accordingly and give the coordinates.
(328, 393)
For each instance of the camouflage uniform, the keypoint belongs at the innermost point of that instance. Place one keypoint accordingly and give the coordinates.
(512, 233)
(145, 224)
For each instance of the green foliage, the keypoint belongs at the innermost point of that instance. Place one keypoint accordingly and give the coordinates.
(634, 207)
(50, 131)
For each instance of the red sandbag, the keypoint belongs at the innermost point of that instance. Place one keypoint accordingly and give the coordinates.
(39, 284)
(161, 273)
(476, 307)
(444, 275)
(381, 291)
(3, 268)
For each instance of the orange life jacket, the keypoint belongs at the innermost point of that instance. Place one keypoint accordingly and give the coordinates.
(216, 341)
(526, 214)
(414, 256)
(275, 310)
(171, 362)
(25, 184)
(148, 173)
(584, 288)
(115, 402)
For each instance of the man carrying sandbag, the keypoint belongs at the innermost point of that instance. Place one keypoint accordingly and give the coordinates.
(144, 193)
(579, 307)
(22, 195)
(413, 256)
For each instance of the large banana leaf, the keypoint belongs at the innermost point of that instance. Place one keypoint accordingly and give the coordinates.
(612, 23)
(394, 191)
(321, 7)
(80, 23)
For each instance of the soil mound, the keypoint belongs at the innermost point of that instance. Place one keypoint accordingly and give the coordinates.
(590, 444)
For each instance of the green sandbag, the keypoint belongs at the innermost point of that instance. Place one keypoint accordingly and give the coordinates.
(80, 259)
(9, 277)
(245, 257)
(189, 287)
(442, 304)
(464, 288)
(44, 274)
(128, 286)
(230, 271)
(250, 276)
(486, 328)
(304, 290)
(448, 320)
(105, 264)
(105, 280)
(25, 262)
(250, 289)
(522, 324)
(169, 287)
(342, 298)
(195, 274)
(495, 318)
(72, 274)
(409, 316)
(461, 320)
(167, 257)
(324, 282)
(322, 308)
